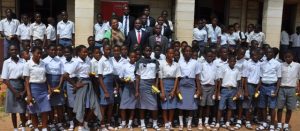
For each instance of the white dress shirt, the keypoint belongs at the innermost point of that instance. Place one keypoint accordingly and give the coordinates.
(168, 71)
(117, 65)
(224, 39)
(147, 71)
(65, 29)
(219, 64)
(99, 31)
(95, 64)
(23, 31)
(295, 39)
(214, 33)
(38, 31)
(12, 69)
(161, 56)
(290, 74)
(284, 38)
(270, 71)
(259, 37)
(252, 71)
(54, 66)
(240, 35)
(69, 65)
(105, 66)
(9, 27)
(208, 73)
(82, 69)
(35, 71)
(230, 77)
(189, 68)
(127, 70)
(232, 38)
(51, 33)
(199, 34)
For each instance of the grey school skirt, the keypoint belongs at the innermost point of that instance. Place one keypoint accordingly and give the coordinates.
(187, 88)
(169, 103)
(147, 100)
(39, 92)
(56, 99)
(128, 99)
(12, 104)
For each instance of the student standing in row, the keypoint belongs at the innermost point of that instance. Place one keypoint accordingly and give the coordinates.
(38, 32)
(23, 31)
(65, 31)
(99, 30)
(51, 31)
(200, 35)
(214, 33)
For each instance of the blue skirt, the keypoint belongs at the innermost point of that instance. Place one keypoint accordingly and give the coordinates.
(187, 88)
(128, 100)
(70, 94)
(147, 100)
(13, 105)
(108, 82)
(169, 103)
(39, 92)
(56, 99)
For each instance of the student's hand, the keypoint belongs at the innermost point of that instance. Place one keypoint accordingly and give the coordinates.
(29, 99)
(172, 94)
(78, 85)
(137, 95)
(18, 95)
(106, 95)
(50, 91)
(246, 95)
(162, 96)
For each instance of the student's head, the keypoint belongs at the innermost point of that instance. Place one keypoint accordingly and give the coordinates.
(214, 21)
(124, 51)
(126, 10)
(254, 44)
(157, 29)
(250, 27)
(26, 45)
(114, 23)
(170, 54)
(138, 54)
(82, 51)
(209, 55)
(51, 50)
(157, 50)
(143, 19)
(138, 24)
(91, 41)
(184, 44)
(132, 57)
(60, 49)
(106, 50)
(289, 57)
(215, 52)
(269, 53)
(160, 20)
(25, 55)
(230, 29)
(255, 55)
(298, 29)
(231, 61)
(25, 19)
(37, 17)
(200, 24)
(68, 52)
(237, 26)
(257, 28)
(195, 45)
(147, 11)
(261, 52)
(50, 20)
(240, 53)
(8, 13)
(204, 21)
(36, 53)
(13, 50)
(176, 45)
(164, 14)
(105, 41)
(117, 51)
(231, 50)
(194, 54)
(64, 15)
(147, 52)
(187, 52)
(223, 53)
(276, 51)
(99, 18)
(265, 47)
(176, 55)
(96, 53)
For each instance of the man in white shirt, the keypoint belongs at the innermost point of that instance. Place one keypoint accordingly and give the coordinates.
(50, 31)
(23, 31)
(65, 31)
(99, 30)
(8, 28)
(257, 35)
(295, 39)
(38, 32)
(214, 33)
(200, 35)
(284, 42)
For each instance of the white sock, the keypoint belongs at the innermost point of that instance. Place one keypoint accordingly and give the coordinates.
(200, 121)
(59, 124)
(44, 129)
(36, 129)
(190, 121)
(181, 120)
(142, 122)
(85, 124)
(15, 129)
(286, 125)
(227, 123)
(23, 129)
(279, 125)
(214, 118)
(123, 123)
(231, 119)
(206, 120)
(248, 122)
(272, 126)
(239, 122)
(166, 125)
(154, 122)
(170, 123)
(71, 123)
(222, 119)
(130, 122)
(265, 124)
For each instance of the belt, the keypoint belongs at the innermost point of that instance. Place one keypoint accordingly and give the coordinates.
(230, 88)
(65, 39)
(208, 85)
(287, 87)
(273, 84)
(252, 84)
(186, 77)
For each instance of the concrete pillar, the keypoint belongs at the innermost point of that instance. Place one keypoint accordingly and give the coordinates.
(184, 20)
(272, 19)
(84, 20)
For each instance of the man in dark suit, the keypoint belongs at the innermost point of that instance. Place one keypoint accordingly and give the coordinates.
(150, 20)
(165, 29)
(157, 38)
(126, 20)
(146, 28)
(137, 36)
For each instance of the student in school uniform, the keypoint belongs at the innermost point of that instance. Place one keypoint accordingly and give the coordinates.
(257, 35)
(65, 31)
(233, 39)
(229, 82)
(128, 98)
(60, 52)
(289, 86)
(51, 31)
(54, 71)
(268, 87)
(146, 77)
(99, 30)
(124, 52)
(224, 37)
(251, 73)
(208, 79)
(106, 82)
(169, 73)
(214, 33)
(157, 53)
(12, 73)
(86, 102)
(250, 31)
(295, 39)
(189, 86)
(38, 32)
(239, 33)
(36, 88)
(200, 35)
(23, 31)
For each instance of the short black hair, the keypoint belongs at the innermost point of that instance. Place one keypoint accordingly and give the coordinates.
(35, 48)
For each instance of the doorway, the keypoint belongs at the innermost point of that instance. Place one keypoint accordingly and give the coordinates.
(211, 8)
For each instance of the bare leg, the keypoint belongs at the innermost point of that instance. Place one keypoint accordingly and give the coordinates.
(288, 116)
(165, 116)
(34, 120)
(279, 115)
(44, 119)
(14, 119)
(23, 119)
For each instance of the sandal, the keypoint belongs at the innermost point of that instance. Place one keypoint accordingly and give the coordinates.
(286, 129)
(180, 128)
(237, 126)
(249, 126)
(155, 127)
(261, 127)
(217, 127)
(189, 128)
(272, 128)
(206, 125)
(212, 124)
(143, 128)
(200, 128)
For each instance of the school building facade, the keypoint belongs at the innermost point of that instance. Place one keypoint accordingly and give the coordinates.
(271, 14)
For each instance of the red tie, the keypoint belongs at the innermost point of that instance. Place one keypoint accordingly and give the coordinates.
(139, 37)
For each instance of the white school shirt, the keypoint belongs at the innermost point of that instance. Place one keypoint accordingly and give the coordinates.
(23, 31)
(284, 38)
(127, 70)
(270, 71)
(247, 54)
(147, 71)
(99, 31)
(35, 71)
(69, 65)
(240, 64)
(82, 69)
(65, 29)
(54, 66)
(219, 64)
(105, 66)
(232, 38)
(240, 35)
(161, 56)
(9, 27)
(248, 34)
(214, 33)
(295, 39)
(259, 37)
(252, 71)
(117, 65)
(51, 33)
(12, 69)
(95, 64)
(38, 31)
(189, 68)
(208, 73)
(230, 77)
(199, 34)
(290, 74)
(224, 39)
(168, 71)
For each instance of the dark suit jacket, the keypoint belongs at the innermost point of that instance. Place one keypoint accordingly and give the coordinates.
(167, 32)
(131, 22)
(164, 43)
(148, 29)
(152, 21)
(132, 39)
